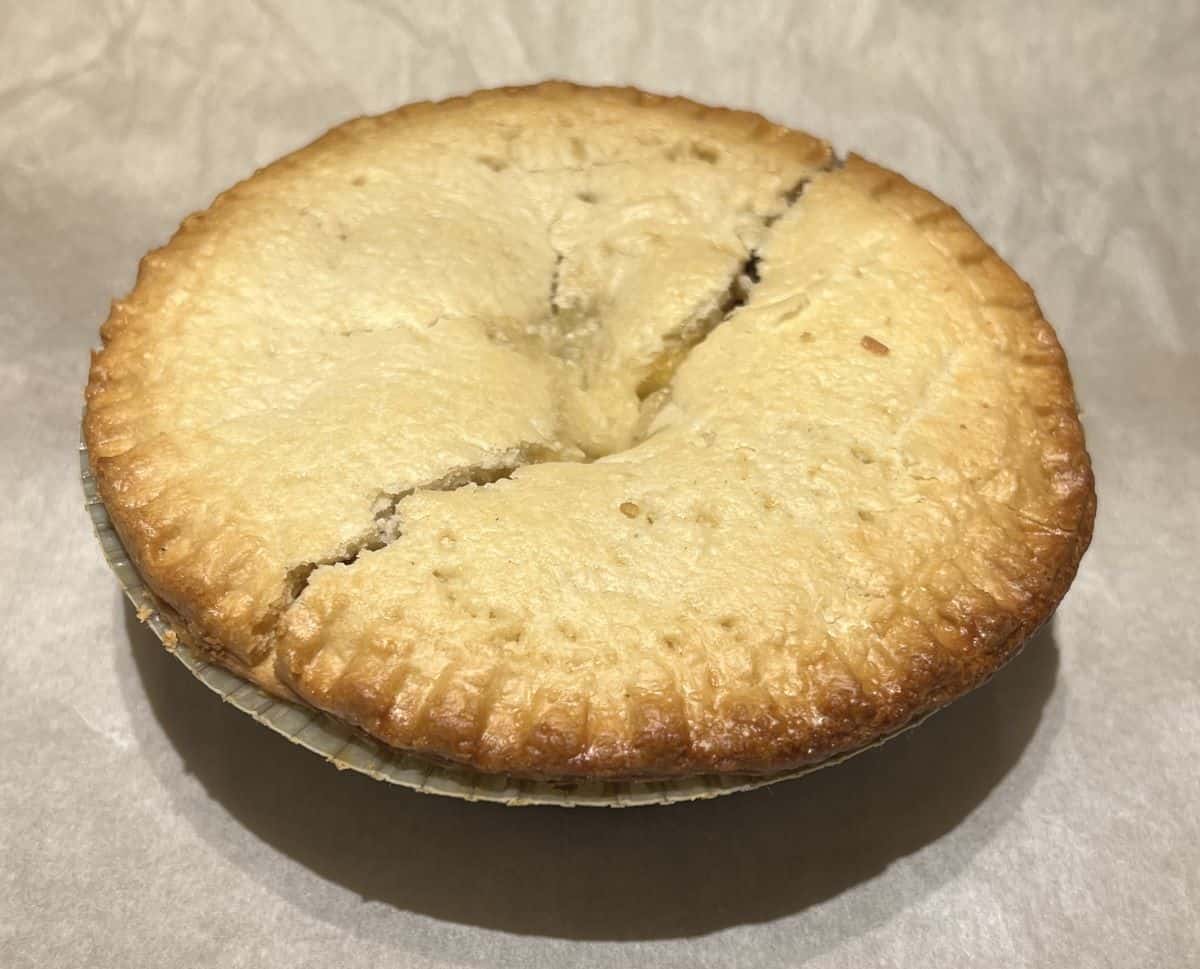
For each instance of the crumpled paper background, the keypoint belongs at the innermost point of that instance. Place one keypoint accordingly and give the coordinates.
(1050, 819)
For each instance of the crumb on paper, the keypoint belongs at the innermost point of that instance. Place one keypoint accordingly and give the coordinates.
(874, 346)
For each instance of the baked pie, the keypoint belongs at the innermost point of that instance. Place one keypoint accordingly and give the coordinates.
(565, 431)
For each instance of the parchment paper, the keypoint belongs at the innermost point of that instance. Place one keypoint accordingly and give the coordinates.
(1049, 820)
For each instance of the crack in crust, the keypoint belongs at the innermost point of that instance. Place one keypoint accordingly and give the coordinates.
(388, 520)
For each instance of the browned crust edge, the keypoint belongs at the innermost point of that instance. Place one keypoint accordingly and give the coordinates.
(944, 663)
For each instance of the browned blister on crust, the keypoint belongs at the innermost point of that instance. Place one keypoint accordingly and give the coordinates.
(582, 432)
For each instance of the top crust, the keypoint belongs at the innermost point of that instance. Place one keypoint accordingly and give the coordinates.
(574, 431)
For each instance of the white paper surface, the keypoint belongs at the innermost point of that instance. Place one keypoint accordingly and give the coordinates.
(1049, 820)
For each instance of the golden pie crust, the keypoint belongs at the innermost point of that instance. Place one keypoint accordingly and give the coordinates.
(572, 431)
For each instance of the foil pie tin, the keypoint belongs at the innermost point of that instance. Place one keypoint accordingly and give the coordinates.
(347, 749)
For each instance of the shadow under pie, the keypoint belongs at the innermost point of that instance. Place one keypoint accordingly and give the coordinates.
(645, 873)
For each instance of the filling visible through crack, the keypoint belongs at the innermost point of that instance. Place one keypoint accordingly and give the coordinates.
(677, 346)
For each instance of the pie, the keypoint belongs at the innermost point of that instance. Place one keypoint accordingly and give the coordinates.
(580, 432)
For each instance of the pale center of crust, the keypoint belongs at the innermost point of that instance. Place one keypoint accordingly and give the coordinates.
(634, 288)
